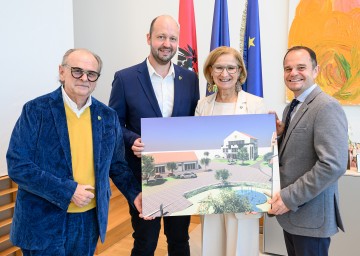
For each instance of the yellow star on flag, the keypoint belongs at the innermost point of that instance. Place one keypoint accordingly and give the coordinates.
(251, 41)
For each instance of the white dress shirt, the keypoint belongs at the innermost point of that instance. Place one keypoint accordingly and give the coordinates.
(302, 97)
(72, 105)
(163, 88)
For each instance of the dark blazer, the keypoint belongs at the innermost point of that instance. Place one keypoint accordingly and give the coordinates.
(312, 157)
(39, 161)
(133, 98)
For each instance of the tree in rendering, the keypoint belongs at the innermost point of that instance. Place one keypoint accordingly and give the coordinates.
(222, 175)
(206, 160)
(243, 154)
(268, 158)
(171, 166)
(228, 201)
(147, 167)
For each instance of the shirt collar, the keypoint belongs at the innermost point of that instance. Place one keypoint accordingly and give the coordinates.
(152, 71)
(302, 97)
(72, 105)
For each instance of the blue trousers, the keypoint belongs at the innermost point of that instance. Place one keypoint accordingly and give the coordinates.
(306, 246)
(79, 237)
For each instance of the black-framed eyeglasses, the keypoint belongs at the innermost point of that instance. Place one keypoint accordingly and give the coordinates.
(229, 69)
(77, 73)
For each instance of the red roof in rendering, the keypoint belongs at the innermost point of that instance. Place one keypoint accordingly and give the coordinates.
(177, 157)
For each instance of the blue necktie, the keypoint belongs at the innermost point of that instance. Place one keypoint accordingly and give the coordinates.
(293, 104)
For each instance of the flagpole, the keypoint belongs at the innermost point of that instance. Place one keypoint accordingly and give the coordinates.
(243, 28)
(220, 35)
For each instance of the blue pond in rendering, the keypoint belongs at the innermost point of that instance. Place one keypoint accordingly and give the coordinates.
(254, 198)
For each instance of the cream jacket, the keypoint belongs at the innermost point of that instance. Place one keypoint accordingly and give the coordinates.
(246, 104)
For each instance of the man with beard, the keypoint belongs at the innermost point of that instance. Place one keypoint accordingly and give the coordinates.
(154, 88)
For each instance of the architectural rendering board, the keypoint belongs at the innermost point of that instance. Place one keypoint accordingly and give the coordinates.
(209, 164)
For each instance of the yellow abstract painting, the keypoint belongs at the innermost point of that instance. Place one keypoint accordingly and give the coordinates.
(332, 29)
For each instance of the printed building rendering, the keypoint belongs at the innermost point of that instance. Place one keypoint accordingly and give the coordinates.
(207, 165)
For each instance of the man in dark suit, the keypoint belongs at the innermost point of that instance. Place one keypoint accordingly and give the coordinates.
(63, 149)
(154, 88)
(312, 157)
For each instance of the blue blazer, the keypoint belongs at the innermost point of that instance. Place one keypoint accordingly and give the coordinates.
(39, 161)
(133, 98)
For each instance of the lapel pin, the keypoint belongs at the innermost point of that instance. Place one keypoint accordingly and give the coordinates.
(99, 118)
(180, 77)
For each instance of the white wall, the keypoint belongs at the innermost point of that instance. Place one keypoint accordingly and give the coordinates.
(122, 27)
(118, 34)
(34, 36)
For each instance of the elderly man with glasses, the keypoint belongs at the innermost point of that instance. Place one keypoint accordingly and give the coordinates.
(62, 151)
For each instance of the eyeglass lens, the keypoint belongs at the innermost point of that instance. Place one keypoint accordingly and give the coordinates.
(229, 69)
(78, 72)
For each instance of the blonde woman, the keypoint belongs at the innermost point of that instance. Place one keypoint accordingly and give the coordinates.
(229, 234)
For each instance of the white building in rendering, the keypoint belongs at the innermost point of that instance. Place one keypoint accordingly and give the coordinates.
(238, 140)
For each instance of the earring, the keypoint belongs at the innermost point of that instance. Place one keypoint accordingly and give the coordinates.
(211, 88)
(215, 88)
(238, 87)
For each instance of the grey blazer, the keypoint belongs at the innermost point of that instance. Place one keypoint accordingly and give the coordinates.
(313, 156)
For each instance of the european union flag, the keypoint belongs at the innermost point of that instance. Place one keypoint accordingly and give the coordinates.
(220, 30)
(252, 50)
(220, 27)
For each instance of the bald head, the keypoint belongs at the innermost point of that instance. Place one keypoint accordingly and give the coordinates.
(163, 19)
(70, 51)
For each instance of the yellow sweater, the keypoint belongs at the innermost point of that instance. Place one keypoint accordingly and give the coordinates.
(82, 156)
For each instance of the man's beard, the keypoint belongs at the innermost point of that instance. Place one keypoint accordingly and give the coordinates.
(164, 59)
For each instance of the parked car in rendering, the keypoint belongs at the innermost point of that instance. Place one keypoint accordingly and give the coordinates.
(231, 162)
(151, 182)
(158, 176)
(188, 175)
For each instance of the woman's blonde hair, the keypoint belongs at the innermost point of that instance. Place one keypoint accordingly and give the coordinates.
(215, 54)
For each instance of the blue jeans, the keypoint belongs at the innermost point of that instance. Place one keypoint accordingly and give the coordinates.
(79, 237)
